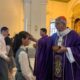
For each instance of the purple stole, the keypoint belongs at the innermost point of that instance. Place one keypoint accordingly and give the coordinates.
(59, 63)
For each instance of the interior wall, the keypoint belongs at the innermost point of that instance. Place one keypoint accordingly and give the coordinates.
(35, 12)
(70, 12)
(12, 15)
(76, 14)
(55, 9)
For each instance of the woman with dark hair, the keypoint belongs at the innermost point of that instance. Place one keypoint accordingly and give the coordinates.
(24, 71)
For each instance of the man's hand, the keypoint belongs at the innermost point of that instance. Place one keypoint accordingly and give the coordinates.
(62, 49)
(8, 60)
(35, 45)
(56, 48)
(32, 38)
(59, 49)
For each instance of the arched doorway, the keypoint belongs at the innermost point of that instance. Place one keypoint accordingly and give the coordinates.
(76, 14)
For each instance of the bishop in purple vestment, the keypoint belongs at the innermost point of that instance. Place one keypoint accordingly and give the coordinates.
(63, 53)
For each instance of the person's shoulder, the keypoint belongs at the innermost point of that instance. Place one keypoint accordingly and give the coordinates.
(21, 52)
(43, 38)
(1, 36)
(7, 38)
(53, 36)
(74, 33)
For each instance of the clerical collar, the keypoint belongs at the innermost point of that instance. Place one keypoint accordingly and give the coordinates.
(63, 33)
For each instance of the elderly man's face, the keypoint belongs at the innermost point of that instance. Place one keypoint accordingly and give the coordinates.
(60, 26)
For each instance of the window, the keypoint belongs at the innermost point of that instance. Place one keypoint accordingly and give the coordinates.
(52, 28)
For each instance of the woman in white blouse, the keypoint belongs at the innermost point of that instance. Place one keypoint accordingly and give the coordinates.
(24, 71)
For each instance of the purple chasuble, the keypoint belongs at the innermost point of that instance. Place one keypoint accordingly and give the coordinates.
(40, 58)
(65, 69)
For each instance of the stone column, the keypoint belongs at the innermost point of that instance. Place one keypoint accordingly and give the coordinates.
(27, 15)
(35, 16)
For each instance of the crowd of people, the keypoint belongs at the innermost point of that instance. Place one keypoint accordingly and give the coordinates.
(57, 57)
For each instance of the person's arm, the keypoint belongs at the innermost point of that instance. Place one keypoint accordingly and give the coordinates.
(5, 57)
(66, 50)
(73, 51)
(8, 43)
(69, 55)
(26, 71)
(8, 48)
(32, 38)
(3, 51)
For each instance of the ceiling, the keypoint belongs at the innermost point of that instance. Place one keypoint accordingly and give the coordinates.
(61, 0)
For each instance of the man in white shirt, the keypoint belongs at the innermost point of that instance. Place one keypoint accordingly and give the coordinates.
(3, 59)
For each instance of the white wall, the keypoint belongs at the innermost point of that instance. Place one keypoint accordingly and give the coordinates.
(55, 9)
(70, 7)
(35, 12)
(11, 15)
(32, 15)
